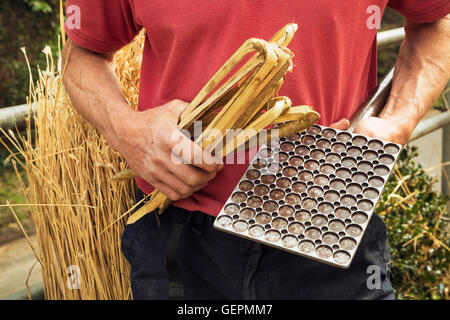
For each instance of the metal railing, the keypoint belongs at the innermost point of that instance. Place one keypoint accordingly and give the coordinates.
(431, 124)
(16, 116)
(11, 117)
(390, 38)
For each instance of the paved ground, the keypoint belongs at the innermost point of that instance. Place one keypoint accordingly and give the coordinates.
(16, 260)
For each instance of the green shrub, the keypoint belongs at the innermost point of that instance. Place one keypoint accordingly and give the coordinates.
(40, 5)
(24, 23)
(417, 222)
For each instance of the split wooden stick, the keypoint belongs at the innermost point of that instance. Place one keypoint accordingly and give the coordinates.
(239, 100)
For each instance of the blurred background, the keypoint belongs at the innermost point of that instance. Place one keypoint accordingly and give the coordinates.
(417, 217)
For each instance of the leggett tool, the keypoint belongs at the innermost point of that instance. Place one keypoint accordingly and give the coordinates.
(313, 193)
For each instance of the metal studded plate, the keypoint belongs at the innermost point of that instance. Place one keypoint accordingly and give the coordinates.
(312, 193)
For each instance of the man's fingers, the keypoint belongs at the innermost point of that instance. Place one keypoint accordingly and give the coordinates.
(342, 124)
(192, 175)
(191, 153)
(184, 148)
(188, 173)
(176, 107)
(165, 189)
(179, 166)
(177, 188)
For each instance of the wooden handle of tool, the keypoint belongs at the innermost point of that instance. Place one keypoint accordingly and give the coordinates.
(373, 106)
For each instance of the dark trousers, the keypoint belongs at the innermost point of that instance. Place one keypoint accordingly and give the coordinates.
(216, 265)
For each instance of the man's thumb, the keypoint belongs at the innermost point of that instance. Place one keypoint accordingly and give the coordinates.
(342, 124)
(176, 107)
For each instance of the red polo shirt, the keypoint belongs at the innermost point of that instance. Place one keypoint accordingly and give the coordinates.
(188, 40)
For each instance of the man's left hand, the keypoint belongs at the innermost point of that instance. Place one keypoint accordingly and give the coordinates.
(386, 129)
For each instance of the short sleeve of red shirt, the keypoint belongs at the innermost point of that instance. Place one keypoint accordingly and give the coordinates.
(421, 11)
(103, 25)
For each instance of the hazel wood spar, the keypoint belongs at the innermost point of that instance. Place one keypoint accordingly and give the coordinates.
(244, 94)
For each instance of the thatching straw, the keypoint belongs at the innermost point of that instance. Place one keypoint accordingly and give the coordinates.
(76, 206)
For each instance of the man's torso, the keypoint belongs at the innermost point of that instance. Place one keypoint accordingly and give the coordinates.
(187, 41)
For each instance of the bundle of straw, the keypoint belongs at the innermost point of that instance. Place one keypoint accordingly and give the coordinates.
(235, 101)
(76, 207)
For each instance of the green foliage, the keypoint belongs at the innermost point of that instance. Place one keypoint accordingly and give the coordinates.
(5, 155)
(24, 23)
(10, 190)
(39, 5)
(417, 222)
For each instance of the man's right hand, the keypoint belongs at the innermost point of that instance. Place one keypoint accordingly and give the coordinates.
(147, 141)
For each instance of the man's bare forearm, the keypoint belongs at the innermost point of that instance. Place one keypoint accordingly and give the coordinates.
(95, 91)
(422, 71)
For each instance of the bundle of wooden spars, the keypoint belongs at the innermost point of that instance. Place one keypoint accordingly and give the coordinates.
(246, 100)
